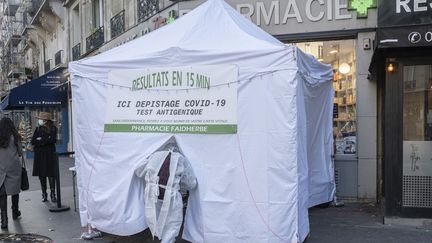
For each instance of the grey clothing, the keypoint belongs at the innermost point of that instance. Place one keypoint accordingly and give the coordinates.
(10, 168)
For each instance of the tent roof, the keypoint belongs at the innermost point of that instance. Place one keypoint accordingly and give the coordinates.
(213, 33)
(203, 29)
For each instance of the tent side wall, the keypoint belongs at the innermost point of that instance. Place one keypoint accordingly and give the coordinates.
(317, 88)
(247, 193)
(303, 177)
(248, 183)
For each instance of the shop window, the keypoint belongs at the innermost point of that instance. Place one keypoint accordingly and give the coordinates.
(341, 55)
(416, 75)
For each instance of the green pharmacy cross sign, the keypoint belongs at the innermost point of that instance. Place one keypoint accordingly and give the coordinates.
(361, 6)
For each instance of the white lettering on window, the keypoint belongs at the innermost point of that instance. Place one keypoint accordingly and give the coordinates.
(428, 36)
(250, 10)
(296, 13)
(417, 7)
(338, 7)
(404, 4)
(309, 11)
(274, 9)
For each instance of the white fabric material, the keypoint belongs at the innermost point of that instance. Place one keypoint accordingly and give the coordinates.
(251, 184)
(165, 221)
(318, 101)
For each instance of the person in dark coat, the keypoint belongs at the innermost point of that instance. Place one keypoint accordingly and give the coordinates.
(45, 157)
(10, 169)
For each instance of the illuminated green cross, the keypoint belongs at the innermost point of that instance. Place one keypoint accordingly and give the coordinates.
(361, 6)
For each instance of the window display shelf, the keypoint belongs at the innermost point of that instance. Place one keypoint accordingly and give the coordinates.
(347, 104)
(340, 54)
(343, 120)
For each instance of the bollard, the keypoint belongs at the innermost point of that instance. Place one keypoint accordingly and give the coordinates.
(60, 207)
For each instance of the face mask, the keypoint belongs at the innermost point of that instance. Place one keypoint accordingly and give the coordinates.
(41, 122)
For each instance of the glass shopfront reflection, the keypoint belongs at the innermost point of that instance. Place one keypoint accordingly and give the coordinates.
(417, 136)
(341, 55)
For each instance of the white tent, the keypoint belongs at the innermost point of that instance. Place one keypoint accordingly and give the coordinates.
(253, 186)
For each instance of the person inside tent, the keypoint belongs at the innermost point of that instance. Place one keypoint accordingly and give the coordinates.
(164, 172)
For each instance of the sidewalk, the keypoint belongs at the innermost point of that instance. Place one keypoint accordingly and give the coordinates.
(357, 222)
(351, 223)
(62, 227)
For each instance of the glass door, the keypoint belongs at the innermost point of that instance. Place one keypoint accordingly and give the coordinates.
(417, 136)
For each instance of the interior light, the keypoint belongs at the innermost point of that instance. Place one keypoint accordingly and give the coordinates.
(334, 51)
(391, 67)
(344, 68)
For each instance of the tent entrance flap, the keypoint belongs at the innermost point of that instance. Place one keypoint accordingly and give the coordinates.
(38, 92)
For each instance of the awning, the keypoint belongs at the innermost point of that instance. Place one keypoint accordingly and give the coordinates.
(404, 36)
(38, 92)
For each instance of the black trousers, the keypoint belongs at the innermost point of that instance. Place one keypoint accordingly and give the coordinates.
(51, 181)
(3, 202)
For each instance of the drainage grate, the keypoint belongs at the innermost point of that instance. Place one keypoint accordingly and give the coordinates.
(24, 238)
(417, 191)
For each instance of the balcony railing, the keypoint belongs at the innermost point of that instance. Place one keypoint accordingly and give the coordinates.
(76, 52)
(17, 27)
(147, 8)
(95, 40)
(118, 24)
(47, 65)
(58, 58)
(16, 59)
(15, 66)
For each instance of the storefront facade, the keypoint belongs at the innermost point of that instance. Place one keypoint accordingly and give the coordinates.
(340, 33)
(402, 66)
(24, 103)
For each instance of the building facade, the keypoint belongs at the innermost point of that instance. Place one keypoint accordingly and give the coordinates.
(338, 32)
(402, 66)
(35, 64)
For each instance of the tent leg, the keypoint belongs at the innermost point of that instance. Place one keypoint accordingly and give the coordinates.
(336, 203)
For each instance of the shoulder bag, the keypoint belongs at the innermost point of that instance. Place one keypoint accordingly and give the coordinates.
(24, 178)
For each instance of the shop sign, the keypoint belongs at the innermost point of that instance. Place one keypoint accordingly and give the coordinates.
(278, 12)
(195, 99)
(279, 17)
(404, 12)
(405, 36)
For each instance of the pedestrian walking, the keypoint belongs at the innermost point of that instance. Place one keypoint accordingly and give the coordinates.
(10, 169)
(45, 157)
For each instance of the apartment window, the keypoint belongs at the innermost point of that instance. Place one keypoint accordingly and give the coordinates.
(76, 25)
(44, 50)
(97, 7)
(117, 22)
(117, 6)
